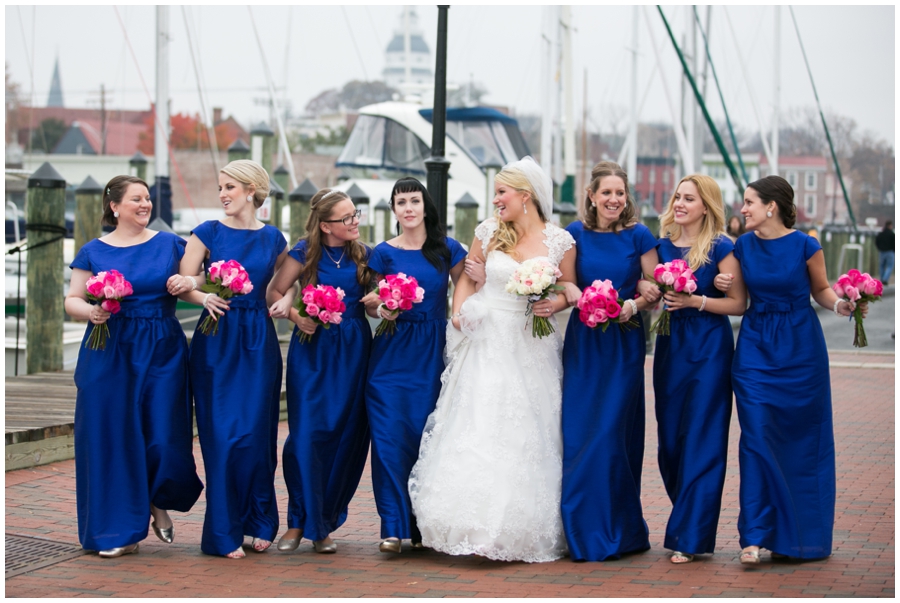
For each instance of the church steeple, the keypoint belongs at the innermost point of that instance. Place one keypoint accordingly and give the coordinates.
(55, 98)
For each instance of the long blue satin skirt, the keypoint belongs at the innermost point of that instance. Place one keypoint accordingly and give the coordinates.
(603, 441)
(325, 453)
(133, 439)
(237, 388)
(404, 383)
(692, 382)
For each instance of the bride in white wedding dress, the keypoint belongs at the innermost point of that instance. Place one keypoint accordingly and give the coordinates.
(489, 472)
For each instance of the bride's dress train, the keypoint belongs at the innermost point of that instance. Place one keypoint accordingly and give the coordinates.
(489, 473)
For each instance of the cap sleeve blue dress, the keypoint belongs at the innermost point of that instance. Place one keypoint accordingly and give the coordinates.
(692, 383)
(783, 393)
(603, 407)
(133, 432)
(404, 382)
(236, 376)
(326, 451)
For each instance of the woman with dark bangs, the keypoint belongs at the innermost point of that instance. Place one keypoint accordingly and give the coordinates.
(405, 367)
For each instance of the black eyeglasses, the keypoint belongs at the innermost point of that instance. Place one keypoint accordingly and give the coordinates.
(348, 220)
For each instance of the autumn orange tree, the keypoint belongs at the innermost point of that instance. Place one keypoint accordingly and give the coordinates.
(188, 132)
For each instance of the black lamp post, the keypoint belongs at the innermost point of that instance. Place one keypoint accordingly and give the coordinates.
(438, 165)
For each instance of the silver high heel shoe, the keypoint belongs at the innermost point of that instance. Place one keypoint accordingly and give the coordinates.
(167, 535)
(119, 551)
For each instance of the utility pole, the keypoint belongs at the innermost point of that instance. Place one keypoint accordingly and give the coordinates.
(102, 120)
(162, 193)
(567, 190)
(438, 166)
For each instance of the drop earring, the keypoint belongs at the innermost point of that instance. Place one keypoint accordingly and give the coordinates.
(524, 208)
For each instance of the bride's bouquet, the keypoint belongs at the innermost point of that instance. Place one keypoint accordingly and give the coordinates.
(535, 279)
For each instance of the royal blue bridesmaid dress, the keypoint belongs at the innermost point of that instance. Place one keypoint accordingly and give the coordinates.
(236, 376)
(133, 435)
(325, 453)
(692, 383)
(603, 407)
(404, 381)
(783, 394)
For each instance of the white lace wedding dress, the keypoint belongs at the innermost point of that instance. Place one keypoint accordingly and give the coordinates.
(489, 472)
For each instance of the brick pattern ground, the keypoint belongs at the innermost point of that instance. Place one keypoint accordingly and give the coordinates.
(41, 502)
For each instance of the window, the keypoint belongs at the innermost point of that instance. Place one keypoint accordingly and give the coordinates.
(639, 172)
(665, 177)
(792, 179)
(652, 175)
(809, 205)
(811, 181)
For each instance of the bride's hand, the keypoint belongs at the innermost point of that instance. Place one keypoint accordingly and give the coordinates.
(455, 321)
(542, 308)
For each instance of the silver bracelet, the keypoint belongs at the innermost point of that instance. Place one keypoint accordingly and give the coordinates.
(836, 304)
(205, 300)
(633, 304)
(193, 282)
(703, 304)
(457, 315)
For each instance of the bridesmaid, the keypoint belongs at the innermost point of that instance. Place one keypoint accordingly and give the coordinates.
(692, 367)
(781, 383)
(236, 374)
(133, 438)
(325, 453)
(399, 400)
(603, 380)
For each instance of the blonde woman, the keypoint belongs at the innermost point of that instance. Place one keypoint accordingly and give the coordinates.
(487, 480)
(692, 367)
(236, 374)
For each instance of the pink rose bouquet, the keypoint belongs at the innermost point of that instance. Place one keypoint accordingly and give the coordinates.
(397, 293)
(599, 305)
(107, 289)
(536, 280)
(323, 304)
(226, 279)
(858, 287)
(674, 276)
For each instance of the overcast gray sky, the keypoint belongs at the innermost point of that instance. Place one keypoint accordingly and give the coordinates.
(851, 51)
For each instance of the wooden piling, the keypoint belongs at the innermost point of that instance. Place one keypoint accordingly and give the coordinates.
(299, 199)
(46, 221)
(88, 212)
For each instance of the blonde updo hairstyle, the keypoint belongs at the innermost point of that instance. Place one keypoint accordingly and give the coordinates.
(507, 237)
(320, 208)
(713, 222)
(249, 173)
(589, 218)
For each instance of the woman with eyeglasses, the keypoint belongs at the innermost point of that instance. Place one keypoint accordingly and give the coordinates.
(398, 400)
(325, 453)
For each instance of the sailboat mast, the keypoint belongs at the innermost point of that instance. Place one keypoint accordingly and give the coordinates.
(631, 170)
(776, 103)
(546, 82)
(160, 146)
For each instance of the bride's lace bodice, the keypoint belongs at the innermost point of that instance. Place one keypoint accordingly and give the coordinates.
(499, 266)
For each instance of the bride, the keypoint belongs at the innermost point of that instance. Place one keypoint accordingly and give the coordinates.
(489, 472)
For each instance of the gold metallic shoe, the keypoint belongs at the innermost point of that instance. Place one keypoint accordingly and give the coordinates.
(119, 551)
(418, 545)
(289, 544)
(167, 535)
(390, 545)
(325, 549)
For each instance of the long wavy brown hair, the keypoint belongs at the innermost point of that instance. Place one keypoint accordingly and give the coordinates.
(320, 208)
(589, 213)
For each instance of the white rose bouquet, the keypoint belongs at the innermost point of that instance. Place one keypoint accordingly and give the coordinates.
(535, 279)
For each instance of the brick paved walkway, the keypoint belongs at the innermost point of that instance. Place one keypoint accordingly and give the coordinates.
(41, 502)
